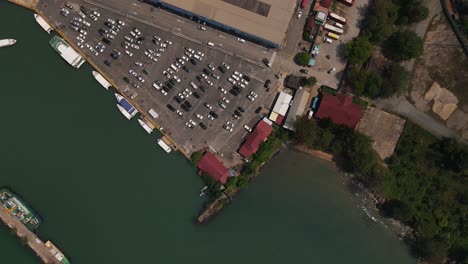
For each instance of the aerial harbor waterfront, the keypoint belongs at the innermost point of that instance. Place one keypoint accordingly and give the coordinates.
(72, 172)
(222, 125)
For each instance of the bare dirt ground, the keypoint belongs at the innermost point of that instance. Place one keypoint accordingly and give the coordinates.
(384, 128)
(444, 62)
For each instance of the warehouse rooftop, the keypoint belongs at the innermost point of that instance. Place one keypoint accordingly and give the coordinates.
(267, 19)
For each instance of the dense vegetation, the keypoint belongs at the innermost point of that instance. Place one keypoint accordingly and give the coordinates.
(410, 11)
(308, 81)
(425, 184)
(462, 8)
(353, 149)
(266, 150)
(402, 45)
(382, 26)
(382, 16)
(359, 50)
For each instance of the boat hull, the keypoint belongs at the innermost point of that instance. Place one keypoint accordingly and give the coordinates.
(124, 112)
(7, 42)
(101, 80)
(19, 209)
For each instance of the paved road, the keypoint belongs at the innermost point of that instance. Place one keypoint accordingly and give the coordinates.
(402, 107)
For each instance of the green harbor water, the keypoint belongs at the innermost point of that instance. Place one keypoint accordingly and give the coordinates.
(108, 194)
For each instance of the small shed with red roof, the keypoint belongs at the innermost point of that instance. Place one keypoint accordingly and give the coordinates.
(213, 167)
(326, 3)
(254, 139)
(340, 109)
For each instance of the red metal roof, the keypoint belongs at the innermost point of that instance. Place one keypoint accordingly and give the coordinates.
(326, 3)
(254, 139)
(211, 165)
(310, 25)
(340, 109)
(279, 120)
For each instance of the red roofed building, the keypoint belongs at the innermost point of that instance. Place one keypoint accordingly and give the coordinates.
(254, 139)
(211, 165)
(340, 109)
(326, 3)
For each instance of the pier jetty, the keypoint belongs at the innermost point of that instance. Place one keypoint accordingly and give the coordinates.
(31, 4)
(31, 239)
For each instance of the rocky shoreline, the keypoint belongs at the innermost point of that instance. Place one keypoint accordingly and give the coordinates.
(371, 202)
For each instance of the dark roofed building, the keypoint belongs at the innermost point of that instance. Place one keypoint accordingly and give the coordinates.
(340, 109)
(293, 81)
(254, 139)
(213, 167)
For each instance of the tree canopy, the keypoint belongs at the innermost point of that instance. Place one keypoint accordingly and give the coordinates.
(395, 80)
(379, 20)
(403, 45)
(411, 11)
(358, 50)
(364, 83)
(302, 58)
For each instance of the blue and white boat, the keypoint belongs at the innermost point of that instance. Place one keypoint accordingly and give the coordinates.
(126, 105)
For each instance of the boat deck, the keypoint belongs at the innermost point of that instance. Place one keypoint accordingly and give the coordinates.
(32, 240)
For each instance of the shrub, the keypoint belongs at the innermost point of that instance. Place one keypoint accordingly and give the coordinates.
(302, 58)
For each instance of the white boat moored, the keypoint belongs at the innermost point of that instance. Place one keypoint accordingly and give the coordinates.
(47, 28)
(101, 80)
(124, 112)
(164, 145)
(146, 125)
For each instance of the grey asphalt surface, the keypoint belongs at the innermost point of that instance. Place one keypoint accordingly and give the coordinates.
(146, 96)
(183, 27)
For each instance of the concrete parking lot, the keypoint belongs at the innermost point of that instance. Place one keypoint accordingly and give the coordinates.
(330, 55)
(146, 96)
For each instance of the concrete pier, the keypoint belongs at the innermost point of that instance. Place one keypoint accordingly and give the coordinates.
(32, 240)
(31, 4)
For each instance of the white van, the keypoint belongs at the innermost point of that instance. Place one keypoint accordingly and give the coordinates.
(153, 113)
(157, 87)
(328, 40)
(338, 25)
(211, 44)
(174, 68)
(193, 85)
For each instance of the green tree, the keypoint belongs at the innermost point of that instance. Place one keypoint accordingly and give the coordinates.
(308, 81)
(302, 58)
(358, 50)
(379, 19)
(398, 210)
(395, 80)
(357, 79)
(411, 11)
(373, 84)
(305, 35)
(242, 182)
(403, 45)
(196, 157)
